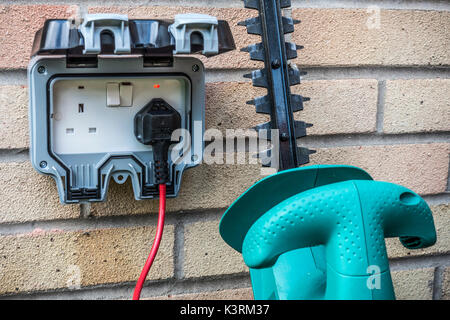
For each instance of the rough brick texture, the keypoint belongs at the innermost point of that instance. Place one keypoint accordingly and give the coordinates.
(231, 294)
(207, 254)
(403, 37)
(18, 24)
(413, 284)
(57, 259)
(13, 117)
(446, 285)
(26, 195)
(344, 106)
(417, 106)
(421, 167)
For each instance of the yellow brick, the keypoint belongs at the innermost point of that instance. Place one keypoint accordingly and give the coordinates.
(336, 107)
(206, 254)
(18, 24)
(446, 285)
(70, 260)
(13, 117)
(26, 195)
(413, 284)
(231, 294)
(342, 37)
(420, 167)
(417, 106)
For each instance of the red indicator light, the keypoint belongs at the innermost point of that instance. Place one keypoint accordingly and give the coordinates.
(156, 86)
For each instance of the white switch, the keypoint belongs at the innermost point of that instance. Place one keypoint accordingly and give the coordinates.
(112, 94)
(126, 94)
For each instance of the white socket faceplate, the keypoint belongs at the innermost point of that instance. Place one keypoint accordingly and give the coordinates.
(83, 123)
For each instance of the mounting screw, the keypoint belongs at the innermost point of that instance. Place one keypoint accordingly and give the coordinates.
(195, 67)
(194, 158)
(41, 69)
(276, 63)
(43, 164)
(284, 136)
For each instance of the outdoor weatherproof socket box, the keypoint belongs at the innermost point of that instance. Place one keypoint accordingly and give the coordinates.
(87, 84)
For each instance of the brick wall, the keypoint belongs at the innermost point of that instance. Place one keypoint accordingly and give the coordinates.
(379, 100)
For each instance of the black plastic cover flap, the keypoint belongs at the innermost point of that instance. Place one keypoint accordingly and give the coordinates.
(148, 37)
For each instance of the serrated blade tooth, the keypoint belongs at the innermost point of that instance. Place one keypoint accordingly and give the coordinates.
(299, 47)
(296, 21)
(263, 105)
(291, 50)
(259, 78)
(263, 130)
(249, 21)
(256, 51)
(253, 25)
(303, 155)
(285, 3)
(294, 75)
(300, 129)
(254, 4)
(288, 25)
(296, 102)
(251, 4)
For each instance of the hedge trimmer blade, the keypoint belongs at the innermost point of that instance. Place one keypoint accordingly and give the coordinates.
(277, 77)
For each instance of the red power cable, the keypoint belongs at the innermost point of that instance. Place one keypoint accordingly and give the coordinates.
(156, 242)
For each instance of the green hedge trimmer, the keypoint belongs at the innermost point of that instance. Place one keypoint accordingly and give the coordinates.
(315, 232)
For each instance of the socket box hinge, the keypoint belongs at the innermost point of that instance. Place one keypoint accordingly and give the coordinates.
(192, 28)
(95, 25)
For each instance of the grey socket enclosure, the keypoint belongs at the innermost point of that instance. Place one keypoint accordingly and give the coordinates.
(82, 109)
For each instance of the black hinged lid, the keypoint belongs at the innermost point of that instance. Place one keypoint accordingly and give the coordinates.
(115, 34)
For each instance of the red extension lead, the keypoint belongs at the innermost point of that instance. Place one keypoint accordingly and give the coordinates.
(156, 242)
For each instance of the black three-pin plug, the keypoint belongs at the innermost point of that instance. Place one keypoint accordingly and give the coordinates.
(154, 125)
